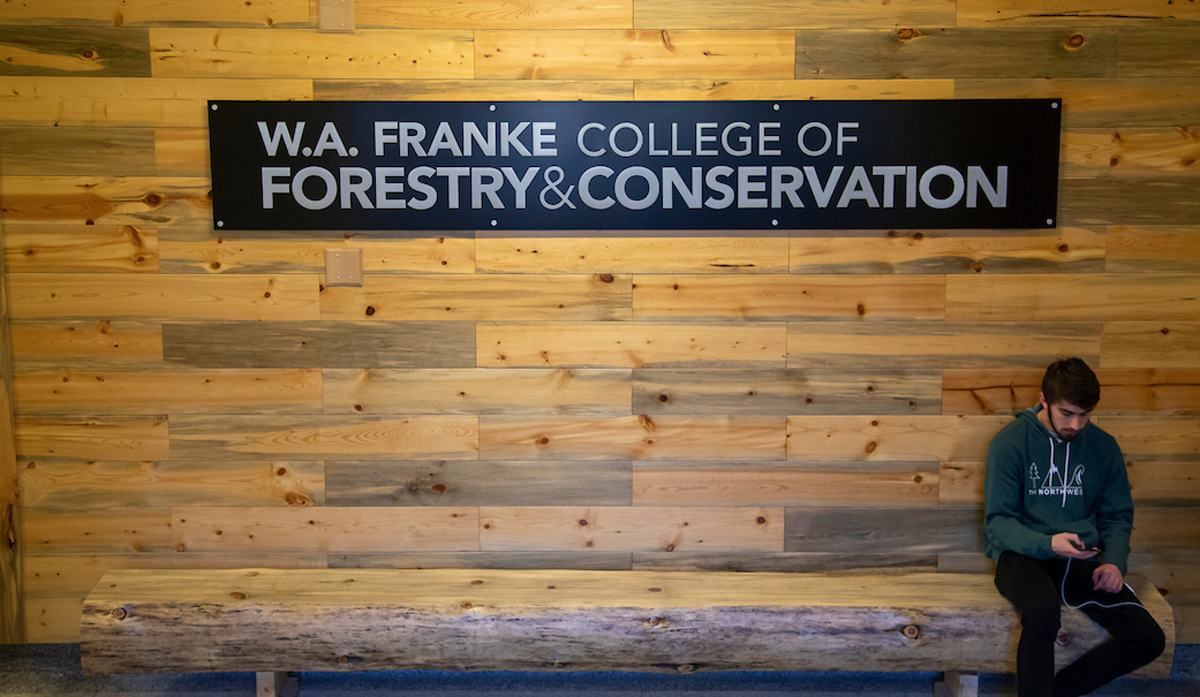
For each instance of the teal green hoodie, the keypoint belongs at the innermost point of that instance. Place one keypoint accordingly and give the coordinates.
(1036, 486)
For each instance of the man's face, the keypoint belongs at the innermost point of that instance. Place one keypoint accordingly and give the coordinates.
(1063, 418)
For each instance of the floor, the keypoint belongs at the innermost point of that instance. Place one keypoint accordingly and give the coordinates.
(53, 669)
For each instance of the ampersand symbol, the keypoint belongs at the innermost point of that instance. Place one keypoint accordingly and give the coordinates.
(558, 175)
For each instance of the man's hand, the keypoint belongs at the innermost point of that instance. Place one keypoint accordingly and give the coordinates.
(1068, 544)
(1107, 577)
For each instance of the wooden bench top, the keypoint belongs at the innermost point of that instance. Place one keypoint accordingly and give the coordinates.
(383, 619)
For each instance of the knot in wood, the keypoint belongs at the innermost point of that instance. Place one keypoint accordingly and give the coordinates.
(605, 278)
(654, 621)
(1075, 42)
(912, 631)
(1062, 639)
(237, 595)
(120, 613)
(685, 668)
(467, 605)
(907, 34)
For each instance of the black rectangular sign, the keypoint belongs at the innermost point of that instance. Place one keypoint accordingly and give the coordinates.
(634, 165)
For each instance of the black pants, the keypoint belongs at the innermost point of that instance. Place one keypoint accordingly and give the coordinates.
(1037, 588)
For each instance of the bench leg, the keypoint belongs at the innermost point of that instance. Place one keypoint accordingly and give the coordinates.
(276, 684)
(956, 684)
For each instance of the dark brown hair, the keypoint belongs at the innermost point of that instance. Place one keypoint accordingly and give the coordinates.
(1072, 381)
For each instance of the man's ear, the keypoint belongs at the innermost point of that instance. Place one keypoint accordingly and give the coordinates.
(1042, 400)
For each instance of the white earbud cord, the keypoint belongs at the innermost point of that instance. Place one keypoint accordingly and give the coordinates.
(1063, 594)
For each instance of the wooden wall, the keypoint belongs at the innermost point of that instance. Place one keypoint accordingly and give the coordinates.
(803, 401)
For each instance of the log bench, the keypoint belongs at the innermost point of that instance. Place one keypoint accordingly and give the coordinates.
(273, 621)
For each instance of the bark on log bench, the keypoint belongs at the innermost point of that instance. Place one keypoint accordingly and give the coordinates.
(272, 621)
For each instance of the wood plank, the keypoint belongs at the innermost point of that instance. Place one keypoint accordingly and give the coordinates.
(495, 14)
(99, 531)
(288, 53)
(83, 51)
(242, 438)
(497, 391)
(107, 438)
(1165, 51)
(930, 53)
(12, 591)
(484, 560)
(152, 12)
(107, 200)
(327, 530)
(1067, 250)
(1166, 530)
(86, 344)
(643, 55)
(53, 620)
(1138, 13)
(786, 391)
(633, 438)
(1085, 153)
(1100, 102)
(1166, 391)
(438, 483)
(31, 248)
(201, 250)
(481, 298)
(180, 391)
(181, 152)
(938, 344)
(630, 345)
(1153, 249)
(883, 530)
(791, 488)
(317, 344)
(785, 562)
(82, 101)
(1074, 297)
(152, 296)
(695, 254)
(803, 14)
(88, 485)
(1176, 574)
(1166, 344)
(471, 90)
(660, 529)
(77, 151)
(778, 297)
(1154, 437)
(1155, 152)
(960, 485)
(751, 89)
(1167, 201)
(1155, 484)
(891, 438)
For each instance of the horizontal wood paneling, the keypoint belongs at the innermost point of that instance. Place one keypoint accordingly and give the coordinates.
(938, 344)
(494, 14)
(505, 391)
(78, 485)
(1167, 344)
(792, 488)
(789, 391)
(1073, 12)
(1165, 51)
(117, 438)
(312, 344)
(1154, 437)
(883, 530)
(579, 528)
(1073, 297)
(244, 438)
(625, 345)
(804, 14)
(612, 561)
(77, 151)
(633, 438)
(1152, 152)
(632, 255)
(644, 55)
(700, 90)
(786, 297)
(442, 483)
(1100, 102)
(181, 152)
(1156, 484)
(86, 51)
(33, 248)
(86, 343)
(1153, 249)
(891, 438)
(1124, 391)
(104, 531)
(101, 200)
(793, 562)
(1166, 201)
(153, 12)
(471, 90)
(283, 53)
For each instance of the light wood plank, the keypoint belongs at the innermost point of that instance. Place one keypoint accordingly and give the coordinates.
(1153, 437)
(1100, 102)
(799, 14)
(86, 344)
(264, 13)
(1153, 249)
(960, 485)
(891, 438)
(1157, 484)
(642, 55)
(883, 530)
(1166, 530)
(107, 200)
(1073, 297)
(751, 89)
(938, 344)
(84, 51)
(498, 391)
(785, 562)
(633, 438)
(1068, 250)
(92, 439)
(696, 254)
(82, 101)
(1165, 391)
(181, 152)
(31, 248)
(1166, 344)
(89, 485)
(76, 151)
(285, 53)
(630, 345)
(182, 391)
(601, 528)
(107, 531)
(242, 297)
(1156, 152)
(53, 620)
(317, 344)
(776, 297)
(789, 391)
(326, 530)
(439, 483)
(983, 13)
(472, 90)
(495, 14)
(791, 488)
(929, 53)
(241, 438)
(1085, 153)
(596, 561)
(481, 298)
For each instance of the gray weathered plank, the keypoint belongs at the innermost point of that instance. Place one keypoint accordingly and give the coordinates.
(882, 530)
(77, 151)
(789, 562)
(82, 52)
